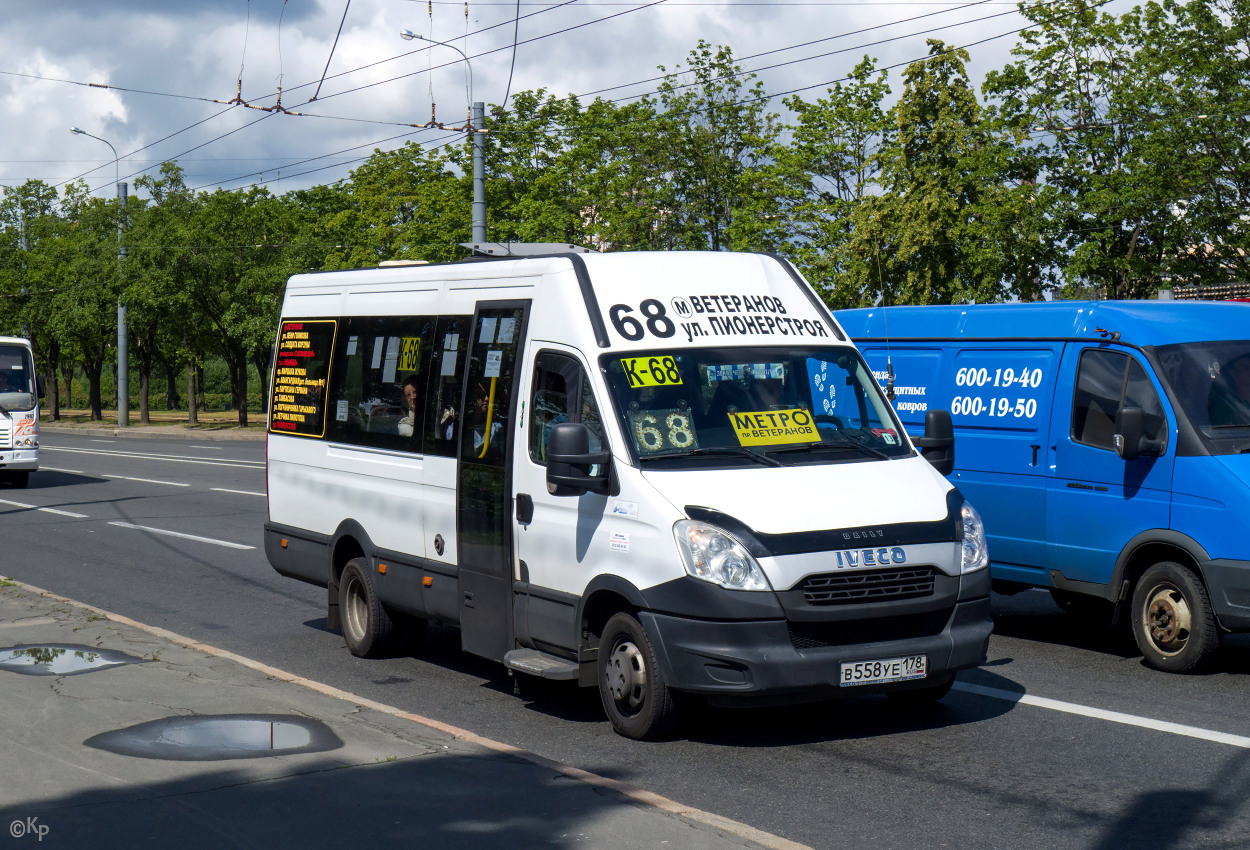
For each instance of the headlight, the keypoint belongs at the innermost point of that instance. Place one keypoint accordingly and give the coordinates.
(976, 555)
(712, 555)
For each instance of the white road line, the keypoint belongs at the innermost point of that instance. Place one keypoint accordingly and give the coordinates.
(215, 542)
(104, 441)
(54, 469)
(244, 464)
(239, 492)
(1112, 716)
(147, 480)
(208, 448)
(45, 510)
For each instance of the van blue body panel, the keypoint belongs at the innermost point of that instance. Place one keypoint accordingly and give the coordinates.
(1034, 454)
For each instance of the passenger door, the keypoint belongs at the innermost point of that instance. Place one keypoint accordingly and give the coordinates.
(554, 532)
(1097, 502)
(484, 486)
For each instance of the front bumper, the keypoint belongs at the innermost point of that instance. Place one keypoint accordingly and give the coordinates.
(765, 658)
(18, 460)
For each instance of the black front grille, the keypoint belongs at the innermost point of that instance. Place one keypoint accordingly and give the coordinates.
(869, 586)
(806, 635)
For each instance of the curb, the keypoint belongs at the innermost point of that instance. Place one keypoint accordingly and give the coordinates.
(158, 432)
(630, 792)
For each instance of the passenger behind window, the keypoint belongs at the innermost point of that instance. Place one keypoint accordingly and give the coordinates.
(411, 390)
(1229, 402)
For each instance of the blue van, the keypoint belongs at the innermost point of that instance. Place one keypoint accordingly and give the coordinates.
(1106, 444)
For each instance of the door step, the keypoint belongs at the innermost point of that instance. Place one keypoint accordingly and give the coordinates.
(540, 664)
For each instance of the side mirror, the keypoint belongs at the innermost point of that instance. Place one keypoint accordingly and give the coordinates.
(1130, 435)
(937, 446)
(569, 462)
(41, 386)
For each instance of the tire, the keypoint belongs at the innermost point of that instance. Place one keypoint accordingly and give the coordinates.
(920, 697)
(19, 480)
(367, 628)
(632, 688)
(1173, 622)
(1090, 609)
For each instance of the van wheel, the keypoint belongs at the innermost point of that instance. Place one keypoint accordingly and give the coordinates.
(1082, 606)
(367, 628)
(631, 685)
(1173, 623)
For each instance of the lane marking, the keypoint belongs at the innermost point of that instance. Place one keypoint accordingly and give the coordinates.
(45, 510)
(239, 492)
(236, 463)
(1110, 716)
(54, 469)
(195, 537)
(207, 448)
(146, 480)
(630, 792)
(104, 441)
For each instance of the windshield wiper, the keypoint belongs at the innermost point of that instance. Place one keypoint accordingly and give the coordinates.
(741, 451)
(844, 441)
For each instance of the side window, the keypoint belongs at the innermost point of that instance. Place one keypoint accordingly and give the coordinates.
(1107, 381)
(381, 370)
(451, 337)
(561, 393)
(1099, 379)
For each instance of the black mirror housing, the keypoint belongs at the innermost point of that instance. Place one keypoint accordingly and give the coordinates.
(1130, 435)
(569, 461)
(937, 446)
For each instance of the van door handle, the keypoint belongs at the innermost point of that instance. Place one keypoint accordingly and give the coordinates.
(524, 508)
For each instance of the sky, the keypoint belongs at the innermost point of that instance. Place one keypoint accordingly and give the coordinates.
(156, 79)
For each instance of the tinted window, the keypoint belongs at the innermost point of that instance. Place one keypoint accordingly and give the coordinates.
(299, 377)
(561, 393)
(451, 338)
(1106, 382)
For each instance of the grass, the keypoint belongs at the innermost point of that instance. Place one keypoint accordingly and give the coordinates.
(215, 420)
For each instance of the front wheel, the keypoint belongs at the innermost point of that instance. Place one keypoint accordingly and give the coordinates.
(367, 627)
(632, 688)
(1173, 622)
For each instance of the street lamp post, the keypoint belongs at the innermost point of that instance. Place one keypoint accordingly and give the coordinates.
(477, 126)
(123, 345)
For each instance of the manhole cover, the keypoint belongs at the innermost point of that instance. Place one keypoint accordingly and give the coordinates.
(61, 659)
(201, 737)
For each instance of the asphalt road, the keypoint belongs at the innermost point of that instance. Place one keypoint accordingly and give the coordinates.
(1064, 739)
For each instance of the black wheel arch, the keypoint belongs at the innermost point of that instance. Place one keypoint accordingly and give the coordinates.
(1146, 549)
(350, 540)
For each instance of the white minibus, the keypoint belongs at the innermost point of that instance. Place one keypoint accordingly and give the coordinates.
(19, 411)
(664, 475)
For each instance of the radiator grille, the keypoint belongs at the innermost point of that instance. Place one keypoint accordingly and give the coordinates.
(869, 586)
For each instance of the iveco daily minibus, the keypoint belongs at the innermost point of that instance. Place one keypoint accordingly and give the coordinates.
(1108, 445)
(19, 411)
(659, 474)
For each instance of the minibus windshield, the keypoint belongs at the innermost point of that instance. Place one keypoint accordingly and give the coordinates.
(1211, 380)
(719, 407)
(17, 381)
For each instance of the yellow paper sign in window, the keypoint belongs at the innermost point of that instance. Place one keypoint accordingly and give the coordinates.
(651, 371)
(409, 353)
(774, 427)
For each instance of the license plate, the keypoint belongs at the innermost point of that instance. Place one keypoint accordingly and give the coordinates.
(884, 670)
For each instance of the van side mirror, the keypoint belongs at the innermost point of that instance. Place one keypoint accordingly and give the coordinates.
(937, 446)
(569, 462)
(1130, 435)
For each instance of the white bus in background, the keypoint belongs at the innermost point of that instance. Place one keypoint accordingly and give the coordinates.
(19, 411)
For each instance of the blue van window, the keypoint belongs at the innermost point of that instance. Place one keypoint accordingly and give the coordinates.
(1105, 382)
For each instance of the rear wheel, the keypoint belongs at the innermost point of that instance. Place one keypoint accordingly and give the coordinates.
(367, 627)
(632, 688)
(1173, 622)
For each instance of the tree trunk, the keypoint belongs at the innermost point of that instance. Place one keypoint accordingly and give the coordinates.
(261, 360)
(172, 400)
(67, 375)
(199, 384)
(193, 415)
(238, 385)
(93, 370)
(145, 378)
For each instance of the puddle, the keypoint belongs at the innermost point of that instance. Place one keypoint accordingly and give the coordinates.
(219, 736)
(61, 659)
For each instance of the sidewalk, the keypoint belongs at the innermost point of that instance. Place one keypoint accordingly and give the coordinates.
(178, 744)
